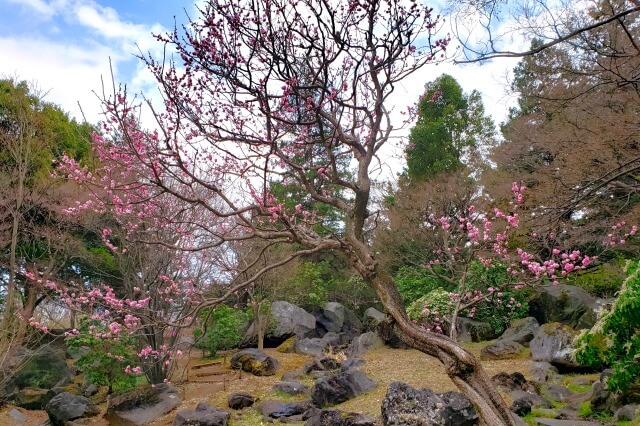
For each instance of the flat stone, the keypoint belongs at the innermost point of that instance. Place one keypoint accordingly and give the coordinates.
(203, 415)
(536, 401)
(556, 422)
(339, 418)
(17, 416)
(143, 406)
(291, 388)
(278, 409)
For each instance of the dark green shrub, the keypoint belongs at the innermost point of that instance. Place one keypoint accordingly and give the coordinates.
(414, 282)
(223, 328)
(310, 286)
(604, 280)
(615, 340)
(498, 311)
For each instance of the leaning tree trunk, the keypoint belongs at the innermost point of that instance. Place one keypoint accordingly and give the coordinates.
(462, 367)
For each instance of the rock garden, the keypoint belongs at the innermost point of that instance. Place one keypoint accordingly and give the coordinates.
(334, 368)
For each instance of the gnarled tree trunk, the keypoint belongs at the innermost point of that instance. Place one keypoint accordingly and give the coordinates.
(463, 368)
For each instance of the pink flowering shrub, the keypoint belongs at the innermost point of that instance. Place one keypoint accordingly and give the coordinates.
(107, 361)
(478, 261)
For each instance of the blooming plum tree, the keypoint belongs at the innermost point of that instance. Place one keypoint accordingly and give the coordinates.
(486, 237)
(258, 86)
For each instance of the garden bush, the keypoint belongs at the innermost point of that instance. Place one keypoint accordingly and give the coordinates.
(414, 282)
(605, 280)
(497, 312)
(222, 329)
(106, 362)
(615, 339)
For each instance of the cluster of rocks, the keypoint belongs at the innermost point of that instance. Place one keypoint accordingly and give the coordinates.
(549, 334)
(293, 329)
(550, 399)
(36, 376)
(557, 314)
(339, 381)
(336, 382)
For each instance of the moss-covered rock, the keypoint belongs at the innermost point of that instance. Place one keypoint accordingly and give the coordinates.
(288, 346)
(255, 362)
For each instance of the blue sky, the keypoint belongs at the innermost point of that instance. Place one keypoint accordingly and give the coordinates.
(64, 47)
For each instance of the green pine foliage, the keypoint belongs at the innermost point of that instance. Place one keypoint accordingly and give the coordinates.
(450, 124)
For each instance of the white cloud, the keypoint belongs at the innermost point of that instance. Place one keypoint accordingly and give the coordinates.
(72, 71)
(42, 8)
(68, 73)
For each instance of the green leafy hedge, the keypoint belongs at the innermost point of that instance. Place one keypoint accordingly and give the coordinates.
(615, 340)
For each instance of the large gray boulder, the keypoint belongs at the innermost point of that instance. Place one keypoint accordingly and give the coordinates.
(255, 361)
(470, 330)
(554, 344)
(331, 317)
(336, 388)
(374, 321)
(203, 415)
(406, 406)
(364, 343)
(66, 407)
(521, 330)
(287, 320)
(291, 320)
(42, 368)
(372, 317)
(502, 349)
(566, 304)
(336, 318)
(143, 406)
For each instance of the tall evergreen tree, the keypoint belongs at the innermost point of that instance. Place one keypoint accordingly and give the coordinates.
(451, 126)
